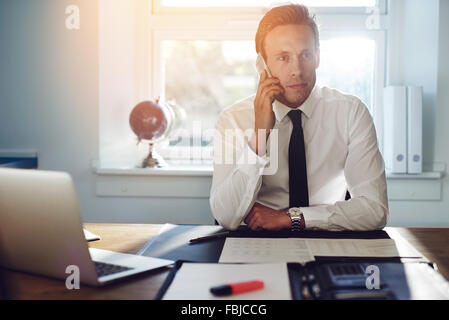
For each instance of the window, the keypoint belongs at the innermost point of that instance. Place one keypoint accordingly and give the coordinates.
(347, 64)
(218, 73)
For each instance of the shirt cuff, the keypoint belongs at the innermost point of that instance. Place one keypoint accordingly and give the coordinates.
(251, 163)
(316, 217)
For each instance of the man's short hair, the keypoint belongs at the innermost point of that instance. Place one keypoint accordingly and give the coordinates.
(284, 15)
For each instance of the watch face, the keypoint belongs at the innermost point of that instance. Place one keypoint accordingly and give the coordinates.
(294, 212)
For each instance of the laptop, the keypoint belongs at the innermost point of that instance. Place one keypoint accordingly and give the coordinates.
(41, 232)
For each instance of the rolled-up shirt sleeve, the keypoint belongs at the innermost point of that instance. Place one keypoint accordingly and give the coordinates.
(365, 176)
(237, 176)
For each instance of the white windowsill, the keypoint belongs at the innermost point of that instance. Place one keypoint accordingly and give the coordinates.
(207, 170)
(194, 181)
(187, 170)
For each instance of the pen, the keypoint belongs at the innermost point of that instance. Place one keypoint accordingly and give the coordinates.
(236, 288)
(213, 236)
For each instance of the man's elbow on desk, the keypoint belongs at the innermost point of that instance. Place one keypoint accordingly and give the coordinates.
(377, 223)
(383, 219)
(226, 221)
(228, 224)
(379, 214)
(374, 219)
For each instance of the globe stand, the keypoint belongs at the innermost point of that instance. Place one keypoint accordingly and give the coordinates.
(153, 161)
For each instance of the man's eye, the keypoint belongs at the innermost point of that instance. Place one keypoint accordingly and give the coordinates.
(307, 55)
(283, 58)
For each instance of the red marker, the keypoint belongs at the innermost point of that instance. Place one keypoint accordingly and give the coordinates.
(237, 287)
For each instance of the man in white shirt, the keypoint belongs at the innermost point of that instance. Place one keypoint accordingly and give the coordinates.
(303, 146)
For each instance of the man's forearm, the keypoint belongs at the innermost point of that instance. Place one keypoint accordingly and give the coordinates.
(235, 188)
(233, 198)
(359, 214)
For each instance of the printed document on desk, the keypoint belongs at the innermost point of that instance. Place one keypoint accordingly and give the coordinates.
(260, 250)
(353, 247)
(265, 250)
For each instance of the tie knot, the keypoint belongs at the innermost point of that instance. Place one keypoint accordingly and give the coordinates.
(295, 116)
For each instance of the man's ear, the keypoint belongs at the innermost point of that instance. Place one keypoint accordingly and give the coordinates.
(317, 57)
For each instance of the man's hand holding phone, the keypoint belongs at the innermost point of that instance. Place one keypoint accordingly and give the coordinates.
(268, 89)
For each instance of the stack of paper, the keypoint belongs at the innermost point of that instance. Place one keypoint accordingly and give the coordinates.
(260, 250)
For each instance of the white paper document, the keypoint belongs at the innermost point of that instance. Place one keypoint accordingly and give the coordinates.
(264, 250)
(90, 236)
(260, 250)
(194, 280)
(353, 247)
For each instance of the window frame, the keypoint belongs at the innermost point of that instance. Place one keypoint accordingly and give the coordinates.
(158, 8)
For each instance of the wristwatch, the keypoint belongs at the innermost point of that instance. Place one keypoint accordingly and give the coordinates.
(297, 219)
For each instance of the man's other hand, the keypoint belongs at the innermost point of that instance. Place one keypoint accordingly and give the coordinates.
(264, 218)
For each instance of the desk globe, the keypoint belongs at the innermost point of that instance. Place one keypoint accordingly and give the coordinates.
(151, 121)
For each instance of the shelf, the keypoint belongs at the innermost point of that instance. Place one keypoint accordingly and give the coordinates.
(424, 175)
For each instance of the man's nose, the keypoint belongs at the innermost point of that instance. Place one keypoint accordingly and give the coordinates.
(297, 67)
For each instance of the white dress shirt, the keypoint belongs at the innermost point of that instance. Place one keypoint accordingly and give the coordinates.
(341, 154)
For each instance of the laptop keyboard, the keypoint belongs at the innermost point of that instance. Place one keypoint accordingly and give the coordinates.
(105, 269)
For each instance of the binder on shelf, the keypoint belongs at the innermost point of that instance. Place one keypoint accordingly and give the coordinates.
(395, 129)
(414, 129)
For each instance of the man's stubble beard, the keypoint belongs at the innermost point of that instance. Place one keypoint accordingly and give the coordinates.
(299, 100)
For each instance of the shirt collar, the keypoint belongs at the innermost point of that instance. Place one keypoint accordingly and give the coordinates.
(281, 110)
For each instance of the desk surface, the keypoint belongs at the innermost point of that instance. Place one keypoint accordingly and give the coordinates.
(130, 238)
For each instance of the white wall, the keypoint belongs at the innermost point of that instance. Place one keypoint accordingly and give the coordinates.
(417, 47)
(413, 52)
(50, 102)
(50, 84)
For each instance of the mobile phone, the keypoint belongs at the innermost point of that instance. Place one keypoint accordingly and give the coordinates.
(261, 66)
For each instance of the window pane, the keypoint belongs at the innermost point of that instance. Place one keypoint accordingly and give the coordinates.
(347, 64)
(266, 3)
(204, 77)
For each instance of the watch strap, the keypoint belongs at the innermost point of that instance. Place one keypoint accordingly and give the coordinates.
(297, 218)
(302, 222)
(296, 224)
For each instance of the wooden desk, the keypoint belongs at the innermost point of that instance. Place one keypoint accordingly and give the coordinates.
(130, 238)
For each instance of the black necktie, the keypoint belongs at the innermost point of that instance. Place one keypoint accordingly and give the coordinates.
(299, 193)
